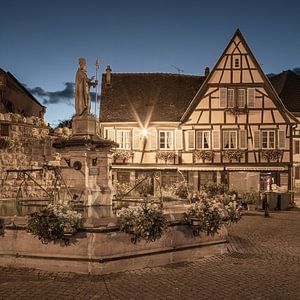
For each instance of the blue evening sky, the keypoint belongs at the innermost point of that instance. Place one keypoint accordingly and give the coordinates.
(42, 40)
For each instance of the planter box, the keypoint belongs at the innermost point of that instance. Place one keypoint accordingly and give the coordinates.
(110, 252)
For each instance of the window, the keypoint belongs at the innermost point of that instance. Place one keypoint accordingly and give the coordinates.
(229, 139)
(123, 177)
(236, 63)
(123, 139)
(230, 98)
(202, 139)
(296, 147)
(207, 177)
(165, 140)
(241, 98)
(4, 130)
(268, 139)
(297, 172)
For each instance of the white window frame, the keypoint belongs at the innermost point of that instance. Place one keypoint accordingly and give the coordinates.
(230, 132)
(267, 132)
(124, 138)
(201, 134)
(163, 135)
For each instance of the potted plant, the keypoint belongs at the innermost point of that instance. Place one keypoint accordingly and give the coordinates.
(251, 200)
(204, 155)
(56, 223)
(165, 155)
(144, 222)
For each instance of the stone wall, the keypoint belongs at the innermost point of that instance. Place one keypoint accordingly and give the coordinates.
(25, 143)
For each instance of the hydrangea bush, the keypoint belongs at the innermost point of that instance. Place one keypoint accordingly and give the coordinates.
(212, 213)
(55, 223)
(144, 222)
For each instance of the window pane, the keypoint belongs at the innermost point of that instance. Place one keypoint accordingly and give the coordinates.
(232, 139)
(271, 139)
(199, 139)
(226, 139)
(206, 140)
(162, 140)
(264, 139)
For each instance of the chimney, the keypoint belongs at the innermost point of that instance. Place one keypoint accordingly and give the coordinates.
(108, 74)
(206, 71)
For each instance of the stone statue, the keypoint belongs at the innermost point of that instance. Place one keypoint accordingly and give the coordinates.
(82, 89)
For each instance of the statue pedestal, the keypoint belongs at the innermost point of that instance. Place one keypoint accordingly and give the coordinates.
(86, 160)
(84, 125)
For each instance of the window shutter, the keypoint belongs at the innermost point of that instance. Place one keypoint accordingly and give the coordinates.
(136, 138)
(178, 139)
(256, 142)
(153, 139)
(251, 97)
(243, 139)
(111, 134)
(230, 98)
(190, 142)
(223, 97)
(216, 139)
(281, 139)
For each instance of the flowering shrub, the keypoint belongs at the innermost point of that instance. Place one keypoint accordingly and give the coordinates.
(165, 155)
(52, 223)
(121, 189)
(181, 189)
(233, 154)
(250, 198)
(271, 155)
(123, 155)
(210, 214)
(204, 155)
(214, 189)
(145, 222)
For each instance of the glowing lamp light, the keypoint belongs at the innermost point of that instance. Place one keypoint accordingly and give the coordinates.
(144, 132)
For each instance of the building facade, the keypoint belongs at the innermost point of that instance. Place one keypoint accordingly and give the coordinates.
(229, 126)
(14, 98)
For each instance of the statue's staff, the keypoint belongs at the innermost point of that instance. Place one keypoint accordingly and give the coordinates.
(96, 98)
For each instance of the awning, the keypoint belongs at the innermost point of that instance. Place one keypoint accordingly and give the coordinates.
(254, 168)
(141, 167)
(200, 168)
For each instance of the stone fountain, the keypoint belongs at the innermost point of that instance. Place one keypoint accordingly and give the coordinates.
(85, 155)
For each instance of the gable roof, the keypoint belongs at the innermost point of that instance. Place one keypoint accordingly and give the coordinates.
(288, 116)
(287, 86)
(131, 97)
(21, 87)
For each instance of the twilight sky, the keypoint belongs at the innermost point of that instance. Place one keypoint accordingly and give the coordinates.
(42, 40)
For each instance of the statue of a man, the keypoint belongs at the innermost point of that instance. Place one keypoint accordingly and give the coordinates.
(82, 89)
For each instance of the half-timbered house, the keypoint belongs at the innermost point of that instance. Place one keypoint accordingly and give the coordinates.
(228, 126)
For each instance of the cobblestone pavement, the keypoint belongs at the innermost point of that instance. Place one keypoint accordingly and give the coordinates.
(263, 263)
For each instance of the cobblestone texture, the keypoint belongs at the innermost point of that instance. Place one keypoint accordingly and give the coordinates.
(263, 263)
